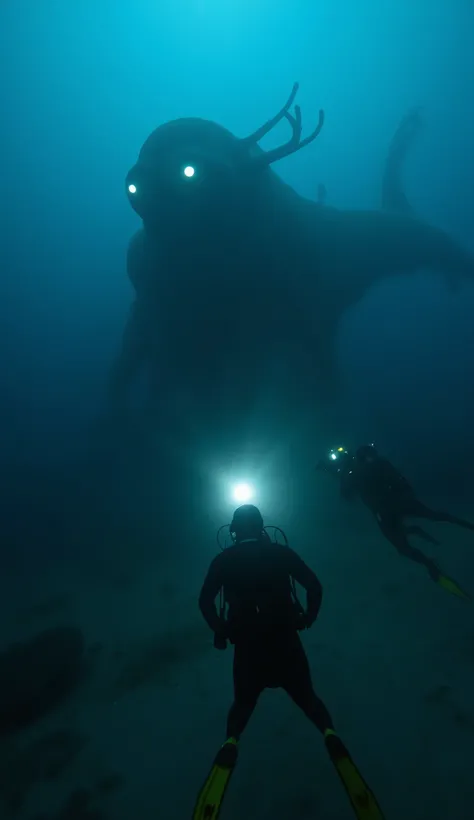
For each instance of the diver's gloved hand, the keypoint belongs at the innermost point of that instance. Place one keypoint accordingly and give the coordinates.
(222, 634)
(220, 642)
(229, 633)
(303, 621)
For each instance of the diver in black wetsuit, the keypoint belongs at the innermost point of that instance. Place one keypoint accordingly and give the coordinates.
(262, 622)
(391, 498)
(263, 619)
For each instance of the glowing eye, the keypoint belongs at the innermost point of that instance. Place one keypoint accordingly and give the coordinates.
(243, 493)
(189, 171)
(132, 189)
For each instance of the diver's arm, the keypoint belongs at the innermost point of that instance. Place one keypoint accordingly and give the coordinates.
(311, 583)
(207, 598)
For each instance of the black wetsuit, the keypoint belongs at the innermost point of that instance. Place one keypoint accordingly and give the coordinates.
(391, 498)
(262, 623)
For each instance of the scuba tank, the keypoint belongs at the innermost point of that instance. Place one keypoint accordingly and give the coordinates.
(226, 540)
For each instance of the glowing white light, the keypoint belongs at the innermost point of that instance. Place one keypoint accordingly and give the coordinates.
(189, 171)
(243, 493)
(132, 189)
(333, 456)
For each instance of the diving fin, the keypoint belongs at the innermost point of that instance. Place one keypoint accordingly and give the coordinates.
(362, 798)
(451, 586)
(209, 801)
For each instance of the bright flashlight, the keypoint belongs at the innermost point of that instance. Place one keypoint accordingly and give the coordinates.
(243, 493)
(189, 171)
(132, 189)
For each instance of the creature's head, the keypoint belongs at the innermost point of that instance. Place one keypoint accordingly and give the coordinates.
(191, 170)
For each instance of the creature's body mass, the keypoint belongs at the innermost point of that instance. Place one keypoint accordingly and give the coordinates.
(223, 236)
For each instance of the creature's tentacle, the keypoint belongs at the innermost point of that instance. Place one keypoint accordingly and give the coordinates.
(393, 196)
(358, 249)
(427, 247)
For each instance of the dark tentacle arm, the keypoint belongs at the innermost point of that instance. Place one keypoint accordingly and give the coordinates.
(393, 196)
(366, 246)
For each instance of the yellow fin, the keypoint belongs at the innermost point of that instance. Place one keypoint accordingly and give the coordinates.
(363, 801)
(451, 586)
(362, 798)
(209, 801)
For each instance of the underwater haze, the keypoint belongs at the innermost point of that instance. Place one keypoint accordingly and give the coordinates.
(109, 517)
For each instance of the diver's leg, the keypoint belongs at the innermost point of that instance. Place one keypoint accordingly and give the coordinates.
(239, 715)
(421, 533)
(391, 526)
(297, 683)
(422, 511)
(436, 574)
(296, 680)
(212, 793)
(247, 690)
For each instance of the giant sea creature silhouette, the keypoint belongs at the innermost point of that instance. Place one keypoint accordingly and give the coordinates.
(234, 271)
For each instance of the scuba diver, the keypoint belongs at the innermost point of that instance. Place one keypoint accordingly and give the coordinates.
(390, 497)
(260, 615)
